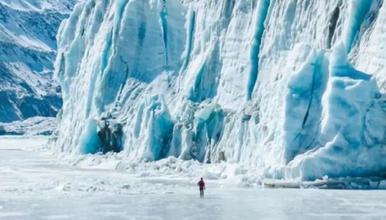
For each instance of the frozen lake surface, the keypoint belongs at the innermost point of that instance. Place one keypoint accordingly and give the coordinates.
(35, 185)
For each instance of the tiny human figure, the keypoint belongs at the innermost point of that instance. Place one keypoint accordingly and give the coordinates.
(201, 185)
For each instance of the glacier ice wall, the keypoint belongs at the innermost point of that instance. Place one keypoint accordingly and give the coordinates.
(292, 88)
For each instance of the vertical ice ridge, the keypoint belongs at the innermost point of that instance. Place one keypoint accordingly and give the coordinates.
(304, 106)
(368, 55)
(205, 134)
(160, 130)
(164, 26)
(206, 80)
(261, 14)
(332, 25)
(189, 42)
(111, 80)
(359, 10)
(227, 12)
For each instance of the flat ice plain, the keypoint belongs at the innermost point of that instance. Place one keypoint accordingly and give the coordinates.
(34, 185)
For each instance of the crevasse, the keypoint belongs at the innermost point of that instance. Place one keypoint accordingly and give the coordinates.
(291, 88)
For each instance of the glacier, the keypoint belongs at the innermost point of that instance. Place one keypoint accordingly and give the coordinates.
(292, 89)
(27, 52)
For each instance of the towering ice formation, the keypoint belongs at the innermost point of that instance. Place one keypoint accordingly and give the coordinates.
(27, 53)
(292, 88)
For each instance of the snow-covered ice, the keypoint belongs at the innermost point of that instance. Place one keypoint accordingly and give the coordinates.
(35, 185)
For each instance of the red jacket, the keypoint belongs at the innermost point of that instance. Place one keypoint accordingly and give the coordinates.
(201, 184)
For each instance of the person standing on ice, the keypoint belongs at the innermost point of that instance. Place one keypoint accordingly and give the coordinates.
(201, 185)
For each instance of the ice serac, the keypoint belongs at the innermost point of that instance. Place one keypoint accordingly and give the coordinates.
(350, 131)
(291, 89)
(303, 106)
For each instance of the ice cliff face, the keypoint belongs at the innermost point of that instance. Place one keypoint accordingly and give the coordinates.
(292, 88)
(27, 53)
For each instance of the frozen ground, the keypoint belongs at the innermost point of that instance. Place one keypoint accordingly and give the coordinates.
(35, 185)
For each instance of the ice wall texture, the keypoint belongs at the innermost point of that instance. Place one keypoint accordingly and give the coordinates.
(27, 53)
(294, 89)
